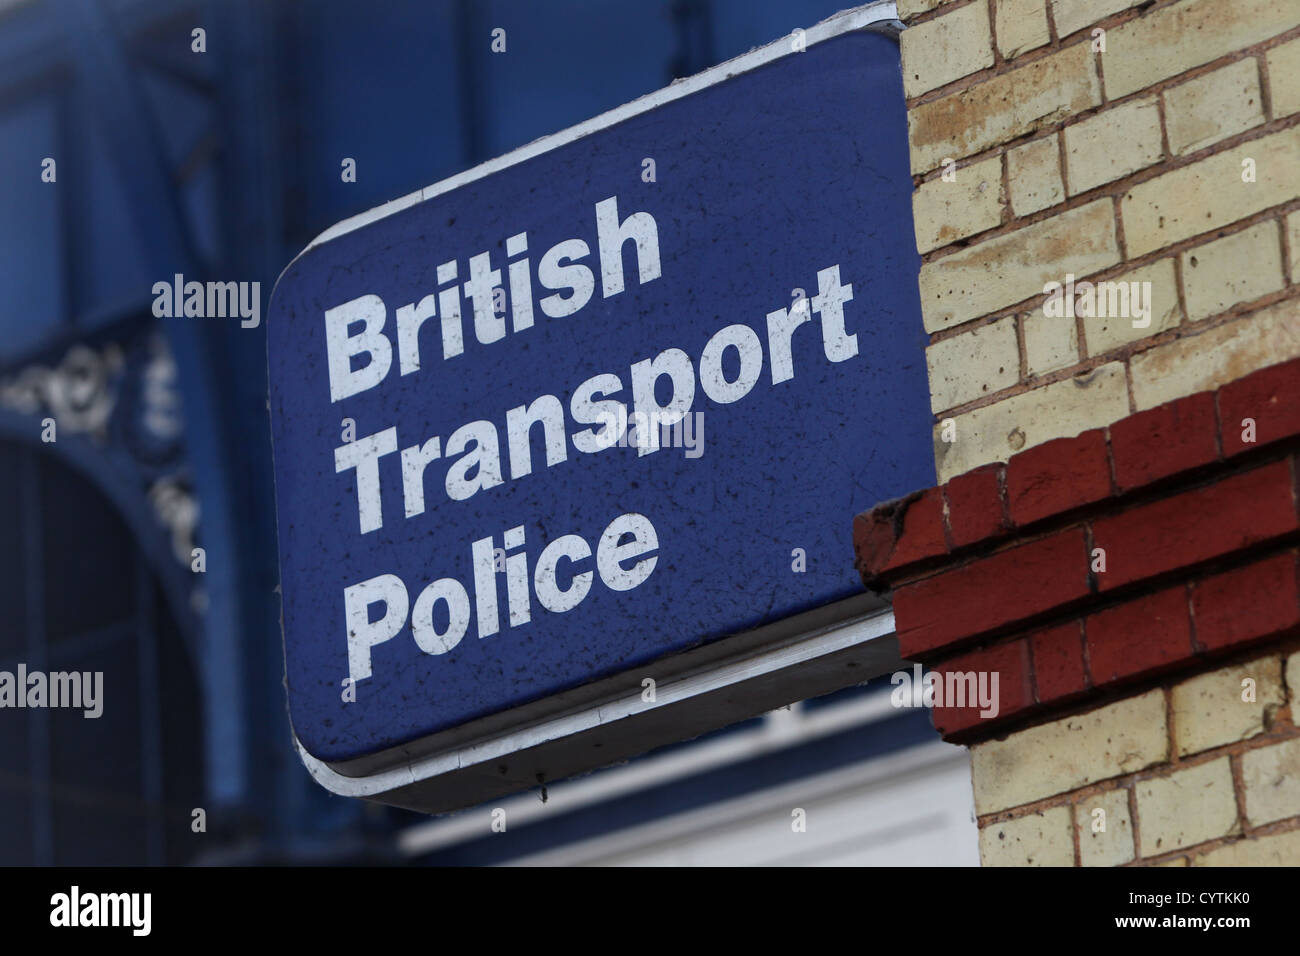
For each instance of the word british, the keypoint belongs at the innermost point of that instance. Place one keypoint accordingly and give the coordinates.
(560, 271)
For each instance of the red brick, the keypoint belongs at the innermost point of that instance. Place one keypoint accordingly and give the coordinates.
(992, 591)
(1164, 441)
(1204, 523)
(873, 542)
(923, 531)
(1010, 661)
(1271, 397)
(975, 505)
(900, 532)
(1058, 662)
(1057, 476)
(1138, 637)
(1248, 603)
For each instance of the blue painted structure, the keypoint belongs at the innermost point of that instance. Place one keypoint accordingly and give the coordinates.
(770, 180)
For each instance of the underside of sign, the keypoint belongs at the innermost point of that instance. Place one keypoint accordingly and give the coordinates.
(568, 447)
(693, 693)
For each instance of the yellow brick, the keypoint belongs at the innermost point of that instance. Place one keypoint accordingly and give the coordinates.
(1293, 682)
(1176, 38)
(1021, 26)
(1199, 362)
(1008, 269)
(910, 8)
(1034, 176)
(1059, 410)
(946, 48)
(1038, 839)
(1278, 849)
(1187, 808)
(1293, 243)
(1212, 107)
(1209, 711)
(1112, 144)
(1073, 15)
(1121, 737)
(1050, 343)
(1283, 64)
(973, 364)
(1105, 332)
(1113, 845)
(1237, 268)
(1003, 107)
(1211, 193)
(1271, 777)
(946, 211)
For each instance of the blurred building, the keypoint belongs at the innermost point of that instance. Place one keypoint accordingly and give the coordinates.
(141, 139)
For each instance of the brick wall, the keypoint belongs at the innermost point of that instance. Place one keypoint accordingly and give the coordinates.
(1122, 164)
(1137, 590)
(1105, 141)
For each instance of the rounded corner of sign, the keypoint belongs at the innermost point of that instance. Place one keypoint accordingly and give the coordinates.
(323, 772)
(303, 749)
(285, 274)
(329, 772)
(352, 223)
(273, 321)
(309, 747)
(888, 27)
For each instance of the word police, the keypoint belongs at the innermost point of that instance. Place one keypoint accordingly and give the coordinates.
(624, 559)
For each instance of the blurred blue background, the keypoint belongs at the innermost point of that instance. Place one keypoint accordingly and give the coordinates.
(223, 165)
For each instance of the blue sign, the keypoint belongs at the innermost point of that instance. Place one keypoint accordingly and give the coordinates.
(599, 403)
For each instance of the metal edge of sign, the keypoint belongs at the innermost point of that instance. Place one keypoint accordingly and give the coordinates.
(848, 635)
(618, 686)
(850, 628)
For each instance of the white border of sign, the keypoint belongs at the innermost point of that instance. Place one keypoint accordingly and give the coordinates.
(855, 633)
(852, 635)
